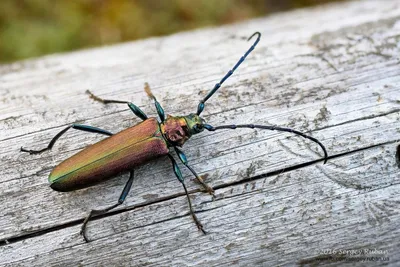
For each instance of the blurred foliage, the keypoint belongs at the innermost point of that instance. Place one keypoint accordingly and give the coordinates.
(30, 28)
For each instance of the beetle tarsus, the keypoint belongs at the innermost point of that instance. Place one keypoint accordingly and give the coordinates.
(198, 223)
(32, 152)
(160, 110)
(85, 222)
(95, 213)
(94, 97)
(83, 228)
(104, 101)
(148, 90)
(208, 189)
(82, 232)
(195, 219)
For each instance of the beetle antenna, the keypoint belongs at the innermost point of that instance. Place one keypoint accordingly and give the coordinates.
(200, 107)
(272, 128)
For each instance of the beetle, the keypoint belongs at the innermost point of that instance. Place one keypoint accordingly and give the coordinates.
(148, 140)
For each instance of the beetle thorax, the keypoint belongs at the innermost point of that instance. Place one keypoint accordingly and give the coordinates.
(175, 130)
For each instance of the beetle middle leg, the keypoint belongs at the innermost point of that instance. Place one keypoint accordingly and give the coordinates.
(121, 200)
(184, 160)
(178, 174)
(80, 127)
(135, 109)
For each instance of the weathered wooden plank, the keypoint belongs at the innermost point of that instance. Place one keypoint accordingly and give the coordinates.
(332, 71)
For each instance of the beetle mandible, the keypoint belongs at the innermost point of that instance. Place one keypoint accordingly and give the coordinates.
(132, 147)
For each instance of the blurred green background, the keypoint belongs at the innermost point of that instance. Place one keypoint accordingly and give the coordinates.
(30, 28)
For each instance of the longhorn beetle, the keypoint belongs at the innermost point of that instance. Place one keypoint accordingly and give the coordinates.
(132, 147)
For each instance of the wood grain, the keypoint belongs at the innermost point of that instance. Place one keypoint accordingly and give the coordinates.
(332, 71)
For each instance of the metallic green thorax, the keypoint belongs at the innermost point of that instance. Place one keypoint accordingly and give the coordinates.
(177, 130)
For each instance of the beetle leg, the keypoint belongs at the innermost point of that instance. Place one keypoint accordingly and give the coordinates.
(121, 200)
(135, 109)
(178, 174)
(81, 127)
(160, 110)
(183, 159)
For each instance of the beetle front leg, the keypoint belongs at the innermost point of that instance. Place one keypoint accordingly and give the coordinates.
(178, 174)
(160, 110)
(80, 127)
(121, 200)
(183, 159)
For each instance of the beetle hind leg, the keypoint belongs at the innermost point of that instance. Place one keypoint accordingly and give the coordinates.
(80, 127)
(121, 200)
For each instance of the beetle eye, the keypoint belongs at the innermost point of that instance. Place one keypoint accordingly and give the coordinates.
(198, 127)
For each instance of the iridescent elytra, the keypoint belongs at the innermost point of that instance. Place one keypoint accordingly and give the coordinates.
(123, 151)
(148, 140)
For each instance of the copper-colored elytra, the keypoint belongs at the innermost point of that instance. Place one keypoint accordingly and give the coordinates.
(111, 156)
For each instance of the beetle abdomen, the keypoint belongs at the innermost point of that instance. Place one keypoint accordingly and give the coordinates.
(109, 157)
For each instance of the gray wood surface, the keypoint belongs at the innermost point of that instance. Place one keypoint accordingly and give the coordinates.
(332, 71)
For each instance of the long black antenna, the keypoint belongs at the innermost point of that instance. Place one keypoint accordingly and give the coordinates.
(272, 128)
(200, 107)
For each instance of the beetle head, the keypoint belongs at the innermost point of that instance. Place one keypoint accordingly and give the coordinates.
(194, 123)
